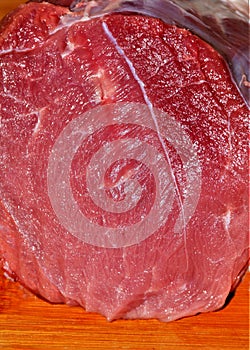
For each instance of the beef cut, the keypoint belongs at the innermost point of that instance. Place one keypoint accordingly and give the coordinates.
(123, 164)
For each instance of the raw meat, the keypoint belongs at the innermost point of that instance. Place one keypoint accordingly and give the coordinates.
(123, 164)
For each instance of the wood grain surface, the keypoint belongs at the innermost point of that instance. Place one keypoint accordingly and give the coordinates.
(27, 322)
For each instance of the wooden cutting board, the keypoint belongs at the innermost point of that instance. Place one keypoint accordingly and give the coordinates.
(27, 322)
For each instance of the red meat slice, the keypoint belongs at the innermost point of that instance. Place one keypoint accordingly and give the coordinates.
(123, 164)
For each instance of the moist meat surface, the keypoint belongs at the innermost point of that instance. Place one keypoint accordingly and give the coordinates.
(123, 164)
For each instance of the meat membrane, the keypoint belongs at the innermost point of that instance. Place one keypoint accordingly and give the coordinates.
(123, 157)
(222, 23)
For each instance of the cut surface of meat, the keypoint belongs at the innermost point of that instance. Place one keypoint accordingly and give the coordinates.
(123, 164)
